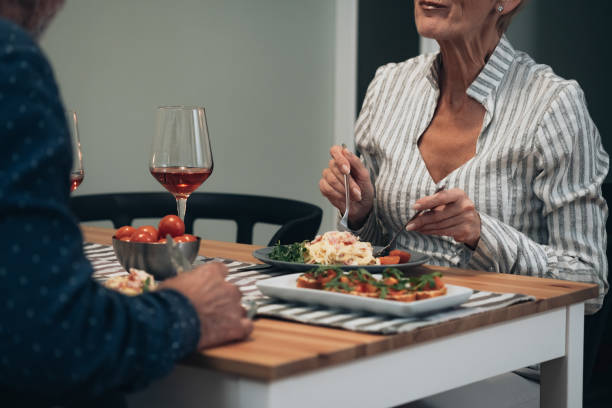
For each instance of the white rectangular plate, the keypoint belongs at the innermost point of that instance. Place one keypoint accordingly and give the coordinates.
(284, 287)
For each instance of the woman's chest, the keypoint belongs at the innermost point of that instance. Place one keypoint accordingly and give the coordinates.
(450, 140)
(494, 165)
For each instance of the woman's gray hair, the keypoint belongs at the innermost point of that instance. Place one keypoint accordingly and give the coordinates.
(504, 21)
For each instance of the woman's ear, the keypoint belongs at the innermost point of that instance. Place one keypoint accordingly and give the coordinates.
(507, 6)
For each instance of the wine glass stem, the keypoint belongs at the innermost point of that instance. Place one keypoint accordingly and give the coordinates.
(181, 206)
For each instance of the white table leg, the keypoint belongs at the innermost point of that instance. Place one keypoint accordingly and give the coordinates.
(561, 378)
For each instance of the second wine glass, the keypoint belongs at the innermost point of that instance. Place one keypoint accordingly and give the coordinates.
(181, 157)
(77, 173)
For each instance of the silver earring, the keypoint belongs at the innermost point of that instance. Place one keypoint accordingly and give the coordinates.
(500, 8)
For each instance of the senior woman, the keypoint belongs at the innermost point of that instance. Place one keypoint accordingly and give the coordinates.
(513, 143)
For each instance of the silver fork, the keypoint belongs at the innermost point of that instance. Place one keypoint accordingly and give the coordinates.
(385, 249)
(344, 220)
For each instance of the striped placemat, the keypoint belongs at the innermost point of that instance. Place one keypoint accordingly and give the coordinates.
(105, 265)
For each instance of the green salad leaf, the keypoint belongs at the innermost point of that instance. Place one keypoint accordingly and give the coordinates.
(289, 253)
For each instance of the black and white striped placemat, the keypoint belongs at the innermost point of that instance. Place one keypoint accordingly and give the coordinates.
(106, 265)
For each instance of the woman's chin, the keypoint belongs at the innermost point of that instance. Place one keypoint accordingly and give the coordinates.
(429, 32)
(436, 32)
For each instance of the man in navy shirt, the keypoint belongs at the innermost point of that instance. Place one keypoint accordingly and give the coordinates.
(63, 337)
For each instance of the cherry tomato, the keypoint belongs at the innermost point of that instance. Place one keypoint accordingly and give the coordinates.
(149, 229)
(185, 238)
(390, 281)
(161, 241)
(125, 231)
(368, 288)
(126, 239)
(171, 224)
(439, 284)
(389, 260)
(141, 236)
(329, 275)
(403, 255)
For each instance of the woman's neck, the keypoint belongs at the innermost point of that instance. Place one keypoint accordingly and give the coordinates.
(462, 61)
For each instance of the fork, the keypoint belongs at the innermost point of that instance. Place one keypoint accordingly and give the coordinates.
(344, 220)
(385, 249)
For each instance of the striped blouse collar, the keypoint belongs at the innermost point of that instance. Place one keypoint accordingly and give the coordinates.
(484, 87)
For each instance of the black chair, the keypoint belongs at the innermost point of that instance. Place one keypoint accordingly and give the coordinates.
(299, 220)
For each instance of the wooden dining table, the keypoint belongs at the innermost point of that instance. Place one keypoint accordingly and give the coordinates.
(288, 364)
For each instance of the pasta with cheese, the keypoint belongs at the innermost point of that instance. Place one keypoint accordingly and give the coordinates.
(339, 248)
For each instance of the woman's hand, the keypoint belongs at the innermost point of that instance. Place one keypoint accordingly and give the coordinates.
(361, 189)
(452, 214)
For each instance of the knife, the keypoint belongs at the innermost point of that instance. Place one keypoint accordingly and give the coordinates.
(177, 258)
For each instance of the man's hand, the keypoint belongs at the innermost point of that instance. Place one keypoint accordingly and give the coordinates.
(217, 302)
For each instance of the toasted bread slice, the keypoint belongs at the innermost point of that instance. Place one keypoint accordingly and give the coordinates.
(426, 294)
(306, 281)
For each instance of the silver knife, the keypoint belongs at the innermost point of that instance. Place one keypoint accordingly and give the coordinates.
(178, 260)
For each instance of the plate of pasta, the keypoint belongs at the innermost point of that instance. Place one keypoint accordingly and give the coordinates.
(341, 249)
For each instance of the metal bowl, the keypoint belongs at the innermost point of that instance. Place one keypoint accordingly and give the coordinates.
(152, 257)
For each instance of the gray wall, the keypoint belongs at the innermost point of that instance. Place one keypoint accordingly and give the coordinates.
(263, 70)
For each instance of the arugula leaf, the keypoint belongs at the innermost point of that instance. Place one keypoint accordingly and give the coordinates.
(146, 286)
(363, 275)
(419, 282)
(289, 253)
(393, 273)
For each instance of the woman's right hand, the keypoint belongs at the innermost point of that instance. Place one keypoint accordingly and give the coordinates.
(361, 189)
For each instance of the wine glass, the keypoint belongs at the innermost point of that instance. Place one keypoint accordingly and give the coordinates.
(77, 173)
(181, 158)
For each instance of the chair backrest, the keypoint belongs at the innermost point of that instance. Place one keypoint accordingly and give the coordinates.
(298, 220)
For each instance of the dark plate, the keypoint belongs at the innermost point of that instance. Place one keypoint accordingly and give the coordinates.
(262, 254)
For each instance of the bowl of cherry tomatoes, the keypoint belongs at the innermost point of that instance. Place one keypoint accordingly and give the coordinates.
(145, 247)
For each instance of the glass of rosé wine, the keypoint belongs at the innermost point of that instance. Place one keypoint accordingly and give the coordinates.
(77, 173)
(181, 157)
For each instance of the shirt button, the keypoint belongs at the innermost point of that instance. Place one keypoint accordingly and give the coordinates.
(491, 269)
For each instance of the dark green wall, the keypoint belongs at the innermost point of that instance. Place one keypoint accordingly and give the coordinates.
(386, 34)
(574, 38)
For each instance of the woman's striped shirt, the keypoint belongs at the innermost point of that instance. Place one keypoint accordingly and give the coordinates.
(535, 179)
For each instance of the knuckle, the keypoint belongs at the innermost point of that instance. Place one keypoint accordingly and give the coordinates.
(322, 185)
(235, 291)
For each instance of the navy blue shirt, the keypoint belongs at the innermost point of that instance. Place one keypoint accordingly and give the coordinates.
(62, 335)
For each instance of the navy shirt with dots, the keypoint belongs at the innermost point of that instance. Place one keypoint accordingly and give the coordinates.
(61, 334)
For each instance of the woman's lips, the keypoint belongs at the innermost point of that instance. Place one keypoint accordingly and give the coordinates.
(431, 5)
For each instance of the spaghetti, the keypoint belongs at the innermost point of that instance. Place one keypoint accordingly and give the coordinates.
(339, 248)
